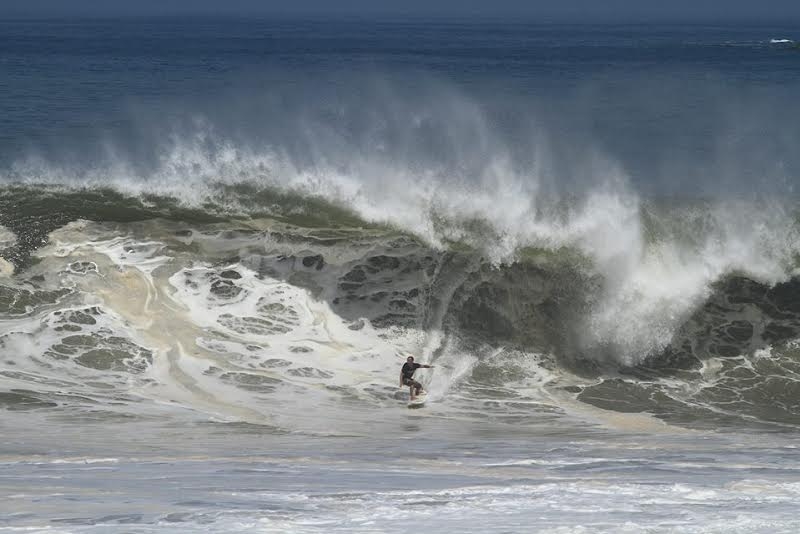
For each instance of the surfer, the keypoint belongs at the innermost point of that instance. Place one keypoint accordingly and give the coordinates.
(407, 376)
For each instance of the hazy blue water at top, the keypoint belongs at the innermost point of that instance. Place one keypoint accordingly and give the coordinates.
(671, 103)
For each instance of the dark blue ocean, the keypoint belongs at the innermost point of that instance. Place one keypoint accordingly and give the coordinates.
(220, 238)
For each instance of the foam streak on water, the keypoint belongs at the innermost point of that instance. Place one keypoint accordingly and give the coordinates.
(233, 483)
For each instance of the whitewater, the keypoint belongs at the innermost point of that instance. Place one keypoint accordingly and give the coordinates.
(207, 295)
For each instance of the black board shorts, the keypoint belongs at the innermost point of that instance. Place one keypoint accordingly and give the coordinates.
(411, 383)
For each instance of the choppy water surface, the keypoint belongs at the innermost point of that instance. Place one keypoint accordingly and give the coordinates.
(473, 476)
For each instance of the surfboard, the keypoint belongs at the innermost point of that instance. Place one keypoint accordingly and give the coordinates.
(418, 402)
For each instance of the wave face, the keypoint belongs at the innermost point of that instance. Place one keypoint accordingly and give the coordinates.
(122, 302)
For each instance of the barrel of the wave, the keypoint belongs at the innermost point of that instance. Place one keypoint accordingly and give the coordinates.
(416, 396)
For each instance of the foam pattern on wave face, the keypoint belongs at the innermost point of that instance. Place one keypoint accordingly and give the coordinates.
(270, 326)
(78, 358)
(218, 338)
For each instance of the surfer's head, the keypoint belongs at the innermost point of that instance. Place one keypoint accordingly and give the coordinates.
(410, 359)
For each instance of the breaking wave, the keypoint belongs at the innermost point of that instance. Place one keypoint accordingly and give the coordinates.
(249, 279)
